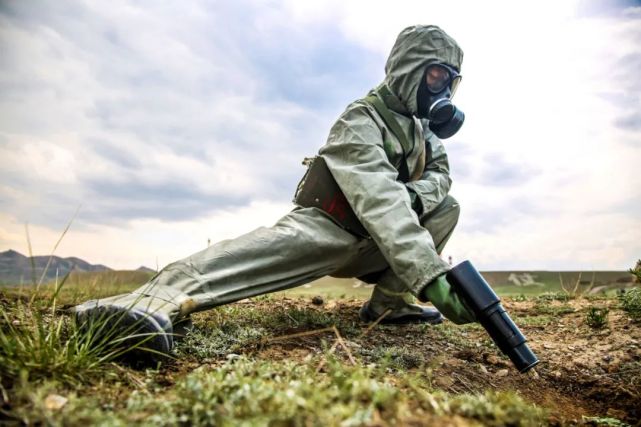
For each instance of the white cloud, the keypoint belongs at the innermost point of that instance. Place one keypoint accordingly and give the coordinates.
(140, 242)
(165, 117)
(533, 79)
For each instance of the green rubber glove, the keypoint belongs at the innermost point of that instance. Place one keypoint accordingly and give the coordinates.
(442, 295)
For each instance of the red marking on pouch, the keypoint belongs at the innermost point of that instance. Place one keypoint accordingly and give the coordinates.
(337, 206)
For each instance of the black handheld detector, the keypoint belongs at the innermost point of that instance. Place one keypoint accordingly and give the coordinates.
(479, 297)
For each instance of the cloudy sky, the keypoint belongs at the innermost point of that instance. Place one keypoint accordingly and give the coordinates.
(169, 123)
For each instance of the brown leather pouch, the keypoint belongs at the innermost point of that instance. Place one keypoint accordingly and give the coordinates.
(319, 189)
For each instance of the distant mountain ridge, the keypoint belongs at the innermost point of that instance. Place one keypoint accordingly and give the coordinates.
(16, 268)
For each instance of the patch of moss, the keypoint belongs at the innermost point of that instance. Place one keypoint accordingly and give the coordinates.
(397, 358)
(207, 343)
(255, 392)
(543, 320)
(497, 409)
(546, 307)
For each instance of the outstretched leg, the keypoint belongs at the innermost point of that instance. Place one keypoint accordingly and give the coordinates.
(302, 246)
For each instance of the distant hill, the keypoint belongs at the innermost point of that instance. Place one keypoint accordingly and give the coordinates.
(16, 268)
(569, 278)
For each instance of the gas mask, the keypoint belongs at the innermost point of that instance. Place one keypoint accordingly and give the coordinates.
(434, 98)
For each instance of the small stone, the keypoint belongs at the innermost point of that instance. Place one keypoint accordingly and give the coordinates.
(15, 323)
(557, 374)
(444, 382)
(547, 346)
(233, 356)
(607, 358)
(483, 369)
(55, 402)
(502, 373)
(492, 359)
(318, 300)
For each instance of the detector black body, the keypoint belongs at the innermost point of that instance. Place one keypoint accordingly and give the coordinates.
(479, 297)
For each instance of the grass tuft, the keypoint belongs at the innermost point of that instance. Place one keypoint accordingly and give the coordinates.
(258, 392)
(217, 342)
(43, 344)
(497, 409)
(636, 271)
(630, 301)
(553, 296)
(597, 317)
(552, 308)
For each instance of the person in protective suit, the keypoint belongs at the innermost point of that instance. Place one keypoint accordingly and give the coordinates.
(392, 173)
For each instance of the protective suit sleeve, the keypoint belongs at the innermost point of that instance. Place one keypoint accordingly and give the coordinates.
(356, 158)
(434, 184)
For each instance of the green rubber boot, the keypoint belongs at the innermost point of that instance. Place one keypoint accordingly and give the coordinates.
(403, 309)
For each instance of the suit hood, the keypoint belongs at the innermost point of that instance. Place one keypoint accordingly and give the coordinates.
(415, 47)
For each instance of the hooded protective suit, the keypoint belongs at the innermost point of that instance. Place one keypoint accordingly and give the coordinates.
(364, 157)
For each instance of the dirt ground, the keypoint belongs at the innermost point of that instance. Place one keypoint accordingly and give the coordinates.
(584, 372)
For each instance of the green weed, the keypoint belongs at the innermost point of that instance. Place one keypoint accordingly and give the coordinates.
(543, 307)
(604, 422)
(597, 317)
(636, 271)
(553, 296)
(630, 301)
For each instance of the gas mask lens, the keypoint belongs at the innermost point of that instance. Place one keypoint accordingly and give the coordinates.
(439, 76)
